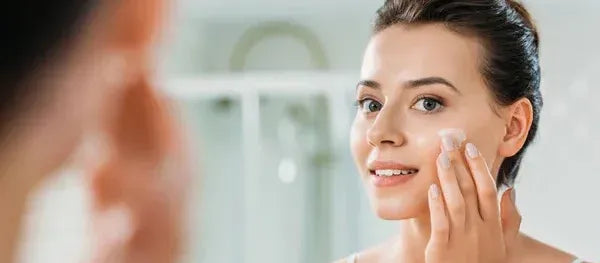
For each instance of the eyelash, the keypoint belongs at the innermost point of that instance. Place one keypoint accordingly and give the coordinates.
(358, 103)
(437, 99)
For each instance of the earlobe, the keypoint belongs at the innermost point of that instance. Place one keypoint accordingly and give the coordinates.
(518, 123)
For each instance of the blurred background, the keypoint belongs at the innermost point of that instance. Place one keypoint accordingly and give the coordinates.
(266, 90)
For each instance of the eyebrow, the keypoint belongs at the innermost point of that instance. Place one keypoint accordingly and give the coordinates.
(412, 83)
(368, 83)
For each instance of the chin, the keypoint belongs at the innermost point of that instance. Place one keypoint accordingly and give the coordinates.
(398, 208)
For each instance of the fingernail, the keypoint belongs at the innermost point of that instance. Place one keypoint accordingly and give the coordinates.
(513, 195)
(443, 160)
(435, 191)
(472, 151)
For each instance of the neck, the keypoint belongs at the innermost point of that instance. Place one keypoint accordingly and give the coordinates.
(410, 244)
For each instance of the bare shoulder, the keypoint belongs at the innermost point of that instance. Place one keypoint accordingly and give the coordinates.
(534, 251)
(530, 250)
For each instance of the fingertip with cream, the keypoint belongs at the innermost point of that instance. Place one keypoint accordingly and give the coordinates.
(452, 138)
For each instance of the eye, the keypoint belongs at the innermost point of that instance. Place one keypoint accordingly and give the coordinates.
(369, 105)
(428, 105)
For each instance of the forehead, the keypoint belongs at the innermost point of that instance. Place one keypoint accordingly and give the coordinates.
(400, 53)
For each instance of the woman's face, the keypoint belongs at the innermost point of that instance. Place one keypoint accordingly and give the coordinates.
(416, 81)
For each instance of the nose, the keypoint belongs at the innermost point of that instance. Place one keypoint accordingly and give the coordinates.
(386, 130)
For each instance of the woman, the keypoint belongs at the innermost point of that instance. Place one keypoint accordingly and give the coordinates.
(77, 67)
(448, 103)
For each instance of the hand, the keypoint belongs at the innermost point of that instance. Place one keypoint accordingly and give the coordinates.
(466, 223)
(138, 190)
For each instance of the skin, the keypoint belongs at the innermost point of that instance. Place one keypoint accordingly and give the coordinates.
(99, 85)
(395, 123)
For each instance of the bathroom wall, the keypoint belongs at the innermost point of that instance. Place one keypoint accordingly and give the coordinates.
(265, 88)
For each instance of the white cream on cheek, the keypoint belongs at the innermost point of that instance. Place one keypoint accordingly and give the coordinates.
(429, 141)
(429, 145)
(458, 135)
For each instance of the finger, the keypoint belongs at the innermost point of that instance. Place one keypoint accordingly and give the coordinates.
(440, 228)
(463, 175)
(511, 218)
(484, 183)
(451, 191)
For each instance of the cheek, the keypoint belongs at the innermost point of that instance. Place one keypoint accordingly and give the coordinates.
(429, 145)
(487, 140)
(358, 142)
(428, 142)
(424, 135)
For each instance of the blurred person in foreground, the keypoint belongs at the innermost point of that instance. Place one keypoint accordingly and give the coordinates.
(73, 68)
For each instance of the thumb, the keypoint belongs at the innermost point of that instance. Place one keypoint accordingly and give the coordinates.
(511, 218)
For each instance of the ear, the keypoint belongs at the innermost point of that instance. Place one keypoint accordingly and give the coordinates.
(124, 32)
(519, 117)
(133, 24)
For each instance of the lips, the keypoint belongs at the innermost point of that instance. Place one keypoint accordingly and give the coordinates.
(390, 168)
(392, 172)
(388, 173)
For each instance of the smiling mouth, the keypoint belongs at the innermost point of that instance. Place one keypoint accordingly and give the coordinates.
(393, 172)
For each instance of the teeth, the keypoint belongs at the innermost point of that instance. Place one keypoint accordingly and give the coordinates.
(389, 172)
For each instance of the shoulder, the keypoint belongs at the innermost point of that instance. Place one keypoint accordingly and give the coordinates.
(532, 250)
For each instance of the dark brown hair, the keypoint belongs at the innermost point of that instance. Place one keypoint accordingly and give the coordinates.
(510, 65)
(33, 32)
